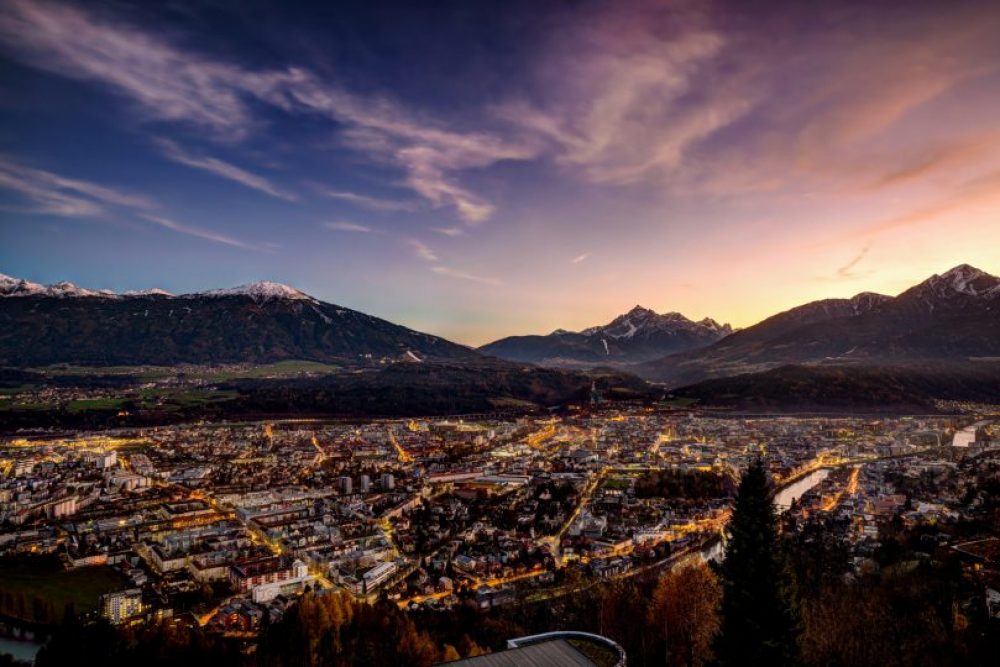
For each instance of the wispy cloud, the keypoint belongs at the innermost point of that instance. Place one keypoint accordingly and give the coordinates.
(619, 83)
(174, 84)
(198, 232)
(231, 172)
(580, 258)
(980, 191)
(58, 195)
(422, 250)
(349, 227)
(846, 271)
(364, 201)
(462, 275)
(449, 231)
(54, 194)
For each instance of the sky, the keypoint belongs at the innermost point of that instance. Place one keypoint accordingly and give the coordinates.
(483, 169)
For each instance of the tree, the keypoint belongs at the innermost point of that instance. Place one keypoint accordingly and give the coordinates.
(684, 614)
(760, 618)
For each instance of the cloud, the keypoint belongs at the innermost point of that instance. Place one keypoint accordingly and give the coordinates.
(846, 270)
(365, 201)
(699, 98)
(53, 194)
(618, 86)
(422, 250)
(982, 190)
(58, 195)
(349, 227)
(580, 258)
(449, 231)
(462, 275)
(171, 83)
(198, 232)
(231, 172)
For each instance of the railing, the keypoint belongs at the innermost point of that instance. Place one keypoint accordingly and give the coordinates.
(518, 642)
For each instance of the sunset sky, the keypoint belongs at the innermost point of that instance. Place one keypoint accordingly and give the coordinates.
(481, 169)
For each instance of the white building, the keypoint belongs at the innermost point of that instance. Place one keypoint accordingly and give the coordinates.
(299, 580)
(106, 460)
(121, 605)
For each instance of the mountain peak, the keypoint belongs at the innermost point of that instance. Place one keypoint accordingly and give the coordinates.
(263, 290)
(10, 286)
(962, 279)
(153, 291)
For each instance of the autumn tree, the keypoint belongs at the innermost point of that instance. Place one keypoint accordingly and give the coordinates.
(683, 615)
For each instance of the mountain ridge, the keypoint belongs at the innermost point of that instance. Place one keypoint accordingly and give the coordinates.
(954, 315)
(258, 322)
(637, 335)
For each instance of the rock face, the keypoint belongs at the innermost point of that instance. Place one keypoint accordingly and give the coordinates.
(953, 316)
(638, 335)
(257, 323)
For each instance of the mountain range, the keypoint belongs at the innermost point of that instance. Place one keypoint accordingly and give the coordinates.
(638, 335)
(257, 323)
(944, 329)
(954, 316)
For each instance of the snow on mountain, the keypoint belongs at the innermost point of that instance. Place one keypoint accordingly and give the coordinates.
(644, 321)
(963, 279)
(154, 291)
(10, 286)
(952, 289)
(865, 301)
(259, 291)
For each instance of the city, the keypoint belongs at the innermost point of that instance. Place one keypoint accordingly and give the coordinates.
(221, 526)
(520, 333)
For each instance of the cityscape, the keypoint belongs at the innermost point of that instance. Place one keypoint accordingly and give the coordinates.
(543, 333)
(223, 526)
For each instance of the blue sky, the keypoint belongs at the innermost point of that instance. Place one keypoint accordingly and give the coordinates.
(482, 169)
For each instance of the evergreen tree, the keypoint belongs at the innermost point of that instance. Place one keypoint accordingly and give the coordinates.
(760, 619)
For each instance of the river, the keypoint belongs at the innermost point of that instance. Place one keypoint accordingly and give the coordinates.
(782, 501)
(21, 650)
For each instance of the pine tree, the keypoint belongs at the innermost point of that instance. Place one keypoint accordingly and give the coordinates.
(760, 619)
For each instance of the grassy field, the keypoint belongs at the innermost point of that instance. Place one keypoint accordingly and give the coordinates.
(288, 368)
(42, 578)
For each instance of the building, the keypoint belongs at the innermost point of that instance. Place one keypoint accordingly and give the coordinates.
(346, 485)
(294, 584)
(122, 605)
(244, 575)
(107, 460)
(388, 482)
(365, 483)
(374, 578)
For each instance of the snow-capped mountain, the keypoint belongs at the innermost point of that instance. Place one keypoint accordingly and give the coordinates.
(952, 316)
(154, 291)
(962, 284)
(18, 287)
(259, 322)
(638, 335)
(644, 323)
(259, 291)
